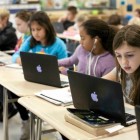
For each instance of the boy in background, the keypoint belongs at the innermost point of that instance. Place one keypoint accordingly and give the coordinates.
(69, 19)
(8, 38)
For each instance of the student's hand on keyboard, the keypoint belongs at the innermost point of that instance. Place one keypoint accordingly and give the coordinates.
(63, 70)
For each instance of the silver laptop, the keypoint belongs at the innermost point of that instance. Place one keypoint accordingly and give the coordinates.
(41, 68)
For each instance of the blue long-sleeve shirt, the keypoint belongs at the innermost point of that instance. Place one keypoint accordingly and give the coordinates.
(58, 48)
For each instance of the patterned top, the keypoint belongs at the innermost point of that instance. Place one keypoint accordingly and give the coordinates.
(21, 40)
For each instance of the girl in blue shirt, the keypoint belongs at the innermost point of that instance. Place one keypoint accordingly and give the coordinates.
(43, 38)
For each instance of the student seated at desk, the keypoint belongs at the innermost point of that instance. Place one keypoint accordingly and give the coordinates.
(137, 13)
(80, 18)
(115, 20)
(22, 25)
(94, 55)
(74, 32)
(8, 38)
(126, 47)
(43, 40)
(69, 19)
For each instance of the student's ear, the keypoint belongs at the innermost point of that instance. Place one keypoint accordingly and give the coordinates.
(95, 42)
(96, 39)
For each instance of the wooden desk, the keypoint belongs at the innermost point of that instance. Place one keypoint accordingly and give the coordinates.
(13, 80)
(54, 115)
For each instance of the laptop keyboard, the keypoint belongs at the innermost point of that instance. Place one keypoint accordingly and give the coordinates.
(64, 82)
(129, 117)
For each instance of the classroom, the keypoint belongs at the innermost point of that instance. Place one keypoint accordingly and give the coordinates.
(69, 69)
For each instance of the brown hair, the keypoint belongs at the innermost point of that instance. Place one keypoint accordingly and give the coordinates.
(24, 15)
(138, 11)
(4, 13)
(82, 17)
(43, 20)
(97, 27)
(131, 35)
(72, 9)
(114, 20)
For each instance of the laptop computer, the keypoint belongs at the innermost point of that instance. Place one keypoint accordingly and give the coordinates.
(58, 27)
(99, 95)
(41, 68)
(137, 111)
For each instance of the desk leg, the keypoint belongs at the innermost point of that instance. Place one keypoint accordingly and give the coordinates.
(5, 114)
(39, 123)
(32, 126)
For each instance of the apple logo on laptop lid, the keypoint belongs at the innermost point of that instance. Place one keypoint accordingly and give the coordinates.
(39, 69)
(94, 97)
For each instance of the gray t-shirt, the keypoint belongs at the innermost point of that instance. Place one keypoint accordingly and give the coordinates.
(127, 90)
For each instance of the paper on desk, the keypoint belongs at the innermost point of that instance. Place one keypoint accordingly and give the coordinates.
(14, 65)
(61, 95)
(114, 128)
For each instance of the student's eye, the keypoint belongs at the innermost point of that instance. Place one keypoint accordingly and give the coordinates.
(33, 30)
(39, 29)
(118, 56)
(130, 55)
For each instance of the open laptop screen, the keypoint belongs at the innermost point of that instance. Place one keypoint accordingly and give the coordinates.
(40, 68)
(97, 94)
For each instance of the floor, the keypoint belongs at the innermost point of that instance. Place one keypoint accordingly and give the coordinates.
(14, 130)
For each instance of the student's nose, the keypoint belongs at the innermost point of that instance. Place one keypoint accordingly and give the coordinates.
(35, 33)
(124, 61)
